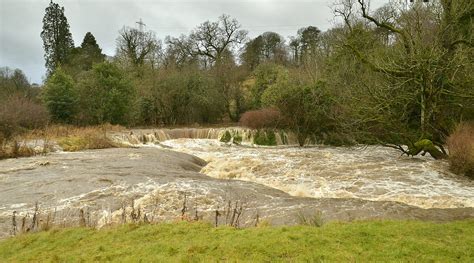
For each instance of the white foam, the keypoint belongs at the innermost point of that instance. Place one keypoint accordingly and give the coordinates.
(370, 173)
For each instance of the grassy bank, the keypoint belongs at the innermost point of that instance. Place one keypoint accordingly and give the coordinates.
(380, 241)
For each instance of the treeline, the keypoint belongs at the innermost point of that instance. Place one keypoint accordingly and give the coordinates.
(396, 76)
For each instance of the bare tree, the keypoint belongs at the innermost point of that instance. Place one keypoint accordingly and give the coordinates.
(178, 52)
(137, 46)
(213, 39)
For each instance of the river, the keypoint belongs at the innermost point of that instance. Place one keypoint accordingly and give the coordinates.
(279, 184)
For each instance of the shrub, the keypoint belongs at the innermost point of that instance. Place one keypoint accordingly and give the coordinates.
(461, 150)
(14, 149)
(266, 75)
(18, 113)
(226, 137)
(267, 138)
(338, 139)
(261, 119)
(237, 139)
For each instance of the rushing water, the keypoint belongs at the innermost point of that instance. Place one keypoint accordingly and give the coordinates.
(370, 173)
(364, 172)
(273, 183)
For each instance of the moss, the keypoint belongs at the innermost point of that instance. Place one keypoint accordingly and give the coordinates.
(426, 146)
(226, 137)
(425, 143)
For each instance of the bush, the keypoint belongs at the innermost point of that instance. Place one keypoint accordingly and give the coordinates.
(461, 150)
(267, 138)
(18, 113)
(237, 139)
(261, 119)
(226, 137)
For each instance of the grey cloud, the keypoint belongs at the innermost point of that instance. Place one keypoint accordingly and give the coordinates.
(21, 21)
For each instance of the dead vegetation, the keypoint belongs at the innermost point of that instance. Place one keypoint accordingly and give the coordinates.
(72, 139)
(261, 119)
(461, 150)
(38, 220)
(67, 137)
(18, 115)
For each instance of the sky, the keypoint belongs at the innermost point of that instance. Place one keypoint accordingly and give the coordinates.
(21, 22)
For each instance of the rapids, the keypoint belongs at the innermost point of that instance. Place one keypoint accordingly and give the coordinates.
(365, 172)
(166, 168)
(369, 173)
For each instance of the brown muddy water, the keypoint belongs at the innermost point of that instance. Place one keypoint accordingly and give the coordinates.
(277, 184)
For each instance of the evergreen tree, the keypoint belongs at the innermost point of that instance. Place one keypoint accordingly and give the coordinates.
(84, 57)
(57, 40)
(91, 51)
(89, 41)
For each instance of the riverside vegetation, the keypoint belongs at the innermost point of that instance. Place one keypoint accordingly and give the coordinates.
(399, 76)
(395, 76)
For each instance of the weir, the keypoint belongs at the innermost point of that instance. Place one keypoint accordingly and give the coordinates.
(247, 136)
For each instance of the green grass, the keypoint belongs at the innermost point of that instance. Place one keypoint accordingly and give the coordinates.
(375, 241)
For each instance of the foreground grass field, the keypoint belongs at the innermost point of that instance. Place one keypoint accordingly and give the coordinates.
(379, 241)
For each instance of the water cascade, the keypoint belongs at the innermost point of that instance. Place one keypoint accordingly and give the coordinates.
(236, 135)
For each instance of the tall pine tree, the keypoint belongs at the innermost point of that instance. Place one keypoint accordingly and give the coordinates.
(90, 51)
(57, 40)
(84, 57)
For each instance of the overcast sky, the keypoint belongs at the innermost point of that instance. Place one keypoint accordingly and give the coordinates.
(21, 22)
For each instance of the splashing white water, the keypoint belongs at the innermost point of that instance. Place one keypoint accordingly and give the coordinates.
(370, 173)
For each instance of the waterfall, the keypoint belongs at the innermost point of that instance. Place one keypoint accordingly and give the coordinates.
(235, 134)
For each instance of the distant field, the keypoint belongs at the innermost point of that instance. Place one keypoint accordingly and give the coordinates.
(375, 241)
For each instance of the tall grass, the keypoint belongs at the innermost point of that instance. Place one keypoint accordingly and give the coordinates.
(68, 137)
(72, 138)
(461, 149)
